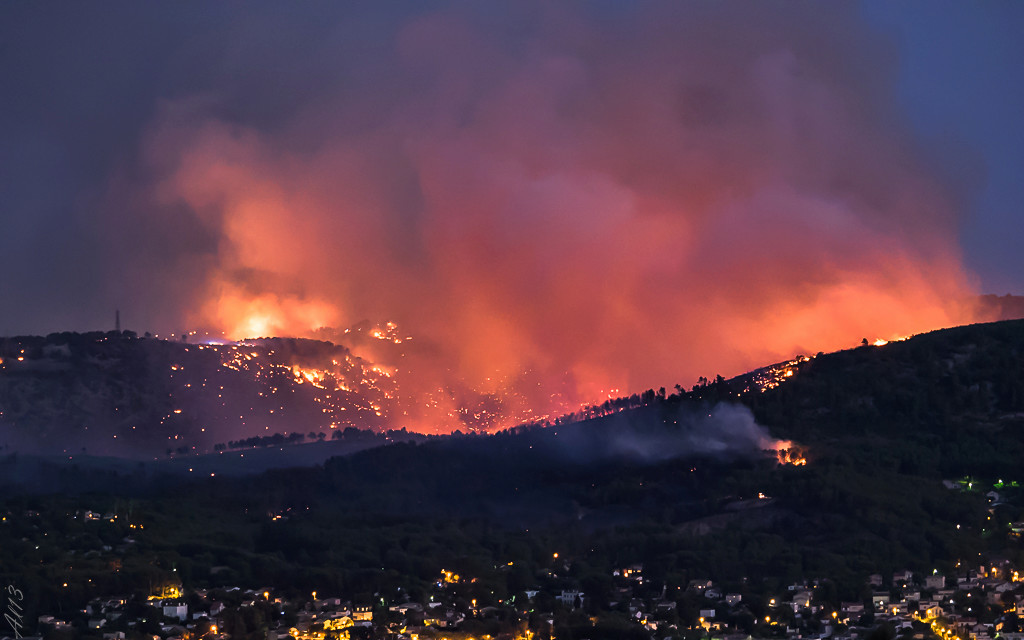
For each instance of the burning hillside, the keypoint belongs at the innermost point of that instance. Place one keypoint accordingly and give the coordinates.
(115, 393)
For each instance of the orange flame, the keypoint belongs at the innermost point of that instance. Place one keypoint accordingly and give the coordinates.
(787, 453)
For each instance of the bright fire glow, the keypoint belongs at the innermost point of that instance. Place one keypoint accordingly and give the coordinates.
(788, 454)
(881, 342)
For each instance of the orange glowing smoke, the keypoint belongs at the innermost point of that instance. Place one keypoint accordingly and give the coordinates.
(242, 315)
(600, 205)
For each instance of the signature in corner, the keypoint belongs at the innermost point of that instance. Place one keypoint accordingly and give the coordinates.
(15, 612)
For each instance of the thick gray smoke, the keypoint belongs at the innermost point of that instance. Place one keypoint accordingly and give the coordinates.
(725, 432)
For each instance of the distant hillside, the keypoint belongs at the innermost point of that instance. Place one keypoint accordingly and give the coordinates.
(903, 456)
(117, 394)
(943, 403)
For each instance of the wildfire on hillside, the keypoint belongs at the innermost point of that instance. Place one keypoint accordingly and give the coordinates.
(369, 377)
(788, 454)
(881, 342)
(773, 376)
(364, 377)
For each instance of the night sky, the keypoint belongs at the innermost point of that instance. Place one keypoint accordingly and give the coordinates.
(634, 193)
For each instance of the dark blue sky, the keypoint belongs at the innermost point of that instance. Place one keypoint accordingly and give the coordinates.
(82, 86)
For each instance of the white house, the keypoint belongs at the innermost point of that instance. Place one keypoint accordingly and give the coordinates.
(178, 611)
(569, 598)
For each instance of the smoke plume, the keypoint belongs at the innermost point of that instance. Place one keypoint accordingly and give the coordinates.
(724, 432)
(565, 202)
